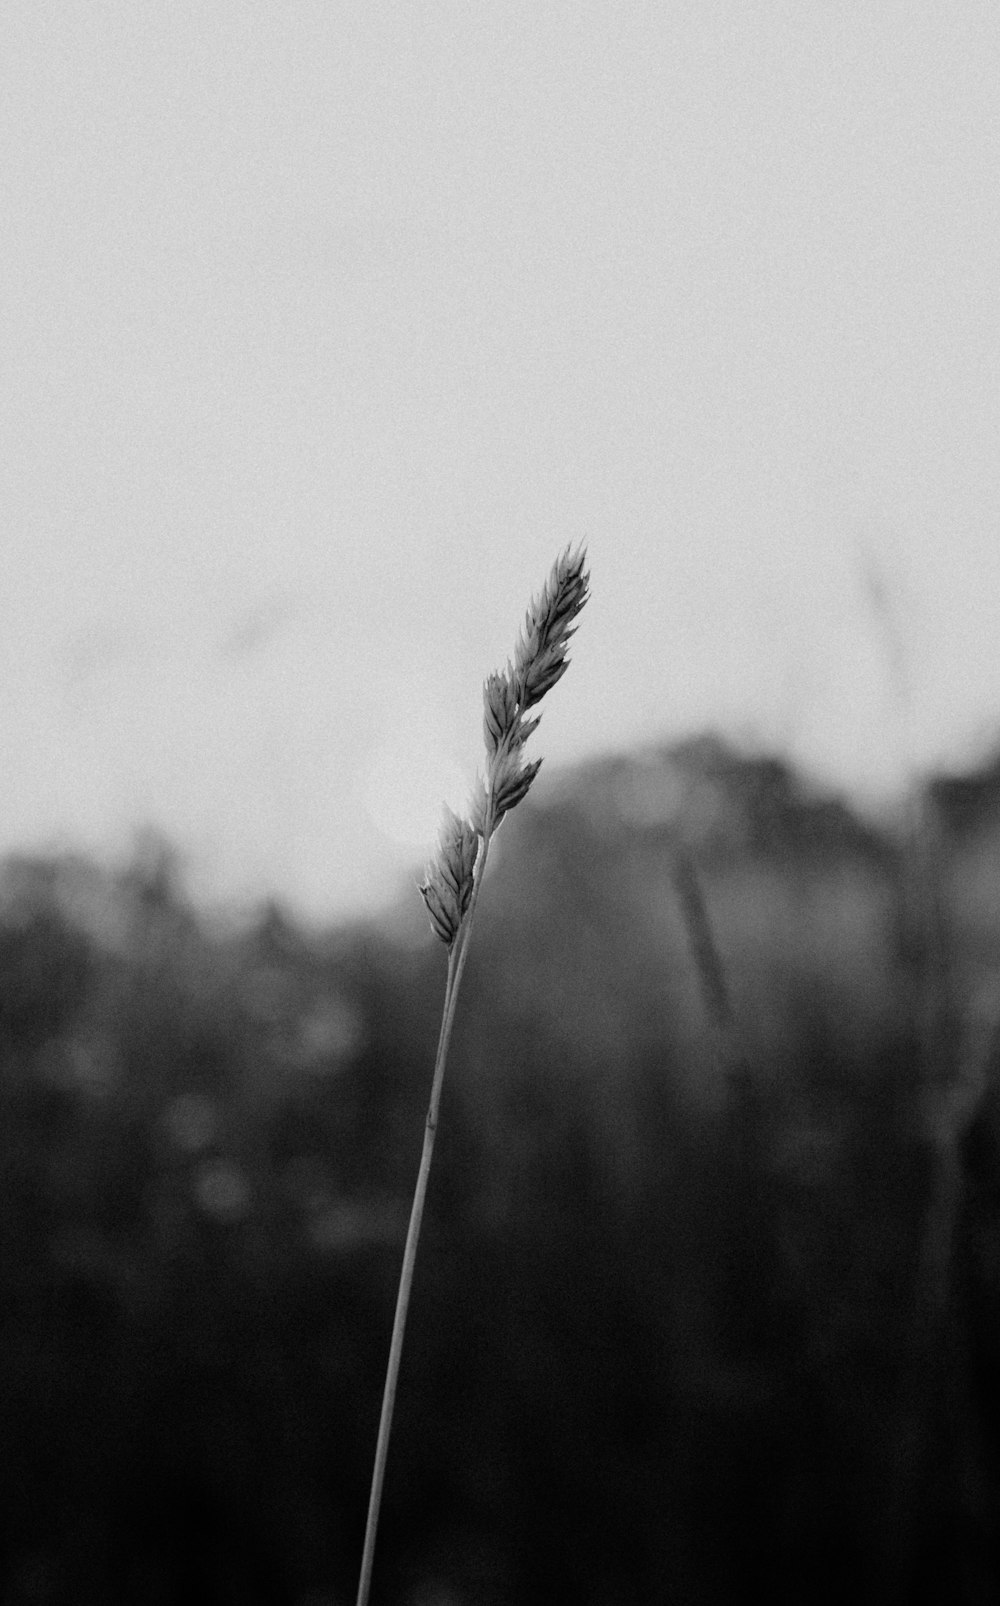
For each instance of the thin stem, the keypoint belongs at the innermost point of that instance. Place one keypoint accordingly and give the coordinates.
(456, 964)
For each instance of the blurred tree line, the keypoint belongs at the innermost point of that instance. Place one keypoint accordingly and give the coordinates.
(708, 1300)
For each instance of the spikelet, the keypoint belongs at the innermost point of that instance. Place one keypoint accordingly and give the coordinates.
(510, 784)
(499, 709)
(449, 877)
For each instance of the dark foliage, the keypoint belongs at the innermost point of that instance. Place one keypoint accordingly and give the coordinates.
(673, 1335)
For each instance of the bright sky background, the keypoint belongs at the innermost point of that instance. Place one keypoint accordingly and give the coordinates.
(325, 326)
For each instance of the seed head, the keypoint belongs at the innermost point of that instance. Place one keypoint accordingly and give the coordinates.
(539, 662)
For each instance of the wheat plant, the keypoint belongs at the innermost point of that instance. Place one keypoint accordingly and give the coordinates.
(451, 890)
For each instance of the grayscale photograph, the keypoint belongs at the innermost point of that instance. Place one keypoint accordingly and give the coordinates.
(499, 803)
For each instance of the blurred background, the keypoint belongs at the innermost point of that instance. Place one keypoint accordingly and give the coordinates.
(324, 330)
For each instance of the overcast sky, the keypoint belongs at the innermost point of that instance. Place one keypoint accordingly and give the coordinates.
(325, 327)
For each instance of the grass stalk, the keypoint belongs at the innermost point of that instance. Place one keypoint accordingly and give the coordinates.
(406, 1283)
(710, 971)
(952, 1077)
(451, 893)
(456, 964)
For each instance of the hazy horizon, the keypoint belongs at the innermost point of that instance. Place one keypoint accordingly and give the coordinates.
(325, 330)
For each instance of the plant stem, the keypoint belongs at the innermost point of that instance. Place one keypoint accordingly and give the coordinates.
(456, 964)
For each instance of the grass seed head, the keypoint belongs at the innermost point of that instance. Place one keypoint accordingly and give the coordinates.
(540, 661)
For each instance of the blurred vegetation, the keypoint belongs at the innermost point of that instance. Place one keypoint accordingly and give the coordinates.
(708, 1303)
